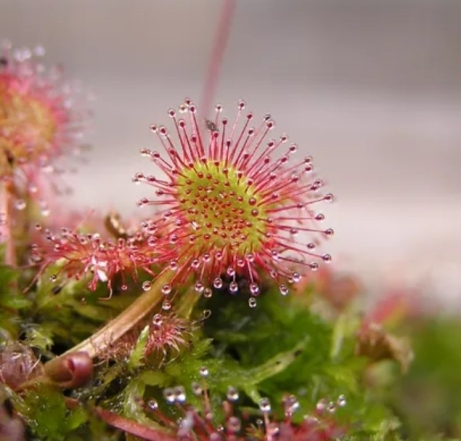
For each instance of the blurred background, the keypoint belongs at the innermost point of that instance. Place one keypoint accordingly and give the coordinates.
(371, 89)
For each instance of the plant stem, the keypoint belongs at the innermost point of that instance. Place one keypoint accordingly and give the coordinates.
(132, 427)
(7, 202)
(100, 341)
(219, 46)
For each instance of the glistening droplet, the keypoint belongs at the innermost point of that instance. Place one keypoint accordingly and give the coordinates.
(232, 394)
(147, 285)
(233, 424)
(217, 283)
(233, 287)
(157, 320)
(166, 289)
(265, 405)
(283, 290)
(197, 389)
(19, 204)
(180, 393)
(152, 404)
(341, 402)
(169, 395)
(204, 371)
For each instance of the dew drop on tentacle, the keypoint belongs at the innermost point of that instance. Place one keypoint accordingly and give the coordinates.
(290, 405)
(265, 405)
(204, 372)
(232, 394)
(254, 289)
(145, 152)
(197, 390)
(166, 289)
(252, 302)
(20, 204)
(166, 305)
(206, 313)
(321, 405)
(233, 424)
(233, 287)
(331, 407)
(143, 202)
(180, 394)
(169, 395)
(32, 188)
(152, 405)
(328, 197)
(218, 283)
(147, 285)
(157, 320)
(341, 401)
(138, 177)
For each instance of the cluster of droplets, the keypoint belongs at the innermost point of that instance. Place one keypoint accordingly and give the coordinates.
(226, 207)
(329, 406)
(89, 256)
(197, 422)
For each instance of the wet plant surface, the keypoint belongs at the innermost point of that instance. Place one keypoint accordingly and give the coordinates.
(214, 317)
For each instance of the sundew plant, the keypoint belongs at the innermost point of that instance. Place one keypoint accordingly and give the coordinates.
(215, 313)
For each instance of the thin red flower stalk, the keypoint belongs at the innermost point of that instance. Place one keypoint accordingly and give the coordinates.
(87, 255)
(221, 39)
(228, 207)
